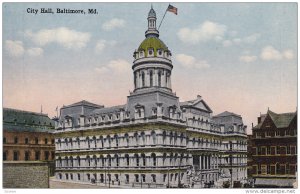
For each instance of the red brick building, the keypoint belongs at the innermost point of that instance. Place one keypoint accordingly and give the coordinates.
(274, 150)
(27, 136)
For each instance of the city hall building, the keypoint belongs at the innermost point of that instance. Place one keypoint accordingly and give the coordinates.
(154, 140)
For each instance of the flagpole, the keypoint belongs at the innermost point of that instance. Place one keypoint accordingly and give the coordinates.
(162, 19)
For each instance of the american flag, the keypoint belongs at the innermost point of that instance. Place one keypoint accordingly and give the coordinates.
(172, 9)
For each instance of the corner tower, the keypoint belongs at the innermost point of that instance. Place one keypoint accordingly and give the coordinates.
(152, 65)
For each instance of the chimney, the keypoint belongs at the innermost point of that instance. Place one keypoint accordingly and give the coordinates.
(199, 97)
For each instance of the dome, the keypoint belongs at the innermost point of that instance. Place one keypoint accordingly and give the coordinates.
(151, 13)
(152, 42)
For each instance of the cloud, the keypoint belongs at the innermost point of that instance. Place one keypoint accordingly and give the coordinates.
(190, 62)
(14, 48)
(119, 66)
(113, 23)
(252, 38)
(288, 54)
(102, 44)
(205, 32)
(70, 39)
(248, 58)
(269, 53)
(34, 52)
(227, 43)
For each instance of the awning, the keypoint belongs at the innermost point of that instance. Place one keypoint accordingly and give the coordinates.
(275, 182)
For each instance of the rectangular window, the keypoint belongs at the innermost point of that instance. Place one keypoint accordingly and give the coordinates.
(268, 169)
(78, 177)
(37, 155)
(26, 156)
(4, 139)
(26, 140)
(52, 141)
(16, 156)
(268, 150)
(46, 141)
(46, 155)
(36, 140)
(278, 150)
(288, 149)
(4, 155)
(126, 178)
(16, 140)
(136, 178)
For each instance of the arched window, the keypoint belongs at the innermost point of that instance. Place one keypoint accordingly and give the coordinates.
(117, 160)
(171, 138)
(78, 161)
(109, 160)
(164, 158)
(143, 79)
(94, 160)
(95, 141)
(153, 136)
(101, 141)
(117, 140)
(153, 157)
(164, 137)
(88, 161)
(78, 142)
(59, 162)
(71, 161)
(66, 142)
(175, 138)
(143, 159)
(137, 160)
(127, 139)
(143, 138)
(136, 137)
(101, 160)
(67, 161)
(151, 78)
(127, 159)
(88, 142)
(159, 78)
(135, 80)
(109, 141)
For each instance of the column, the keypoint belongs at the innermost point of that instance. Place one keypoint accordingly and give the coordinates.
(155, 78)
(200, 157)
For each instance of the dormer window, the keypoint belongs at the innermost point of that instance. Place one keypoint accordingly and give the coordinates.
(141, 54)
(150, 51)
(154, 111)
(139, 111)
(159, 52)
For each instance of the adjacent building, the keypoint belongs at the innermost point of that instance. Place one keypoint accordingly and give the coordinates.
(154, 140)
(274, 150)
(27, 136)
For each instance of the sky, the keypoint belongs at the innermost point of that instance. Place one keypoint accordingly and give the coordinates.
(240, 57)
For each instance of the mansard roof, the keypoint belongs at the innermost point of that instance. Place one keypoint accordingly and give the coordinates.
(109, 109)
(280, 120)
(20, 120)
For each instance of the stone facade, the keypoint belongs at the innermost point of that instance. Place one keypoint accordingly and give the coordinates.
(153, 140)
(29, 174)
